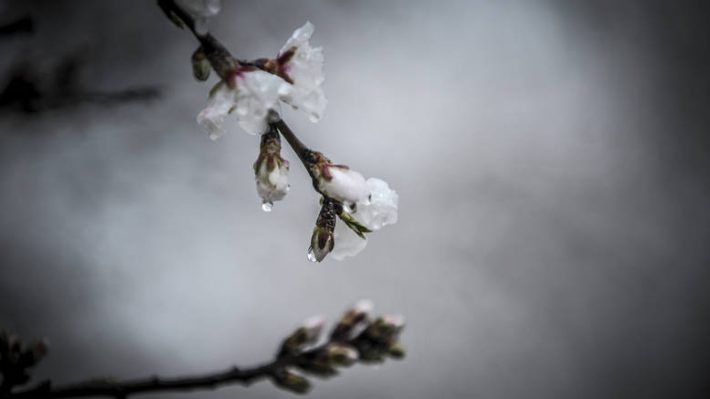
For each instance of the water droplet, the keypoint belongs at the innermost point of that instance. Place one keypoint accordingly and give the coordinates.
(311, 255)
(267, 206)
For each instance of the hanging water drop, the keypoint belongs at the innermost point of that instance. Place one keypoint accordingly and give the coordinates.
(311, 256)
(267, 206)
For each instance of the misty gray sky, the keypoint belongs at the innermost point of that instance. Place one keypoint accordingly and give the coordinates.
(551, 163)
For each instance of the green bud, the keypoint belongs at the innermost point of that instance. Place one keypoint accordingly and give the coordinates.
(353, 317)
(292, 382)
(200, 65)
(396, 351)
(306, 334)
(342, 355)
(319, 365)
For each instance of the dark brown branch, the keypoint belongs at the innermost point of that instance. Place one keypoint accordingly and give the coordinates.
(369, 341)
(296, 144)
(121, 389)
(219, 57)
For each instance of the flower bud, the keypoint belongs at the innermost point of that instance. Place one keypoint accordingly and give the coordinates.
(271, 171)
(338, 182)
(319, 365)
(342, 355)
(353, 317)
(322, 240)
(291, 381)
(307, 334)
(396, 351)
(386, 328)
(200, 65)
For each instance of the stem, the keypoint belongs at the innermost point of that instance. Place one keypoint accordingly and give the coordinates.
(296, 144)
(122, 389)
(219, 57)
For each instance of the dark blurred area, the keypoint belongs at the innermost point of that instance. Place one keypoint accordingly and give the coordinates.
(550, 158)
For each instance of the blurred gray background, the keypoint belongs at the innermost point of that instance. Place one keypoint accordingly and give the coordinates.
(550, 157)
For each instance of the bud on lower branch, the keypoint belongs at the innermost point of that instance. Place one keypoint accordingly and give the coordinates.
(307, 334)
(291, 381)
(353, 318)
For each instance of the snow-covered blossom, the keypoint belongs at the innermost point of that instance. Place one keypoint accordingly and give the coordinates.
(294, 77)
(375, 212)
(343, 184)
(250, 96)
(302, 65)
(271, 171)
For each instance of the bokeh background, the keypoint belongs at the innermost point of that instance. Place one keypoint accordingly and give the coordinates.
(550, 157)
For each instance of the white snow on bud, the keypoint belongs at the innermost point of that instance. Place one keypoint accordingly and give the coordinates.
(345, 185)
(272, 186)
(365, 306)
(314, 327)
(375, 212)
(255, 93)
(305, 68)
(394, 320)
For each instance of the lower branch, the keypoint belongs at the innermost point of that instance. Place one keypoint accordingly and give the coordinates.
(356, 337)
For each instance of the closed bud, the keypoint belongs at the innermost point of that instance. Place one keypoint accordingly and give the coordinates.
(306, 334)
(322, 240)
(396, 351)
(319, 364)
(342, 355)
(270, 170)
(353, 317)
(385, 328)
(200, 65)
(291, 381)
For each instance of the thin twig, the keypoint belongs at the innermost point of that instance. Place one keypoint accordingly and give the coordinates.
(121, 389)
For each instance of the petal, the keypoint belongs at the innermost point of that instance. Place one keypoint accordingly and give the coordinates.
(258, 92)
(381, 209)
(347, 243)
(299, 37)
(211, 118)
(305, 68)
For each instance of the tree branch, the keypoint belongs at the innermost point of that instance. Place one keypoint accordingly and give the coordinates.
(354, 338)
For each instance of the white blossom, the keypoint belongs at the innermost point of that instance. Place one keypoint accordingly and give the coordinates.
(304, 66)
(254, 94)
(375, 212)
(343, 184)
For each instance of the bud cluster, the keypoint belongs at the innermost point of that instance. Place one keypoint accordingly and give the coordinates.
(355, 337)
(16, 358)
